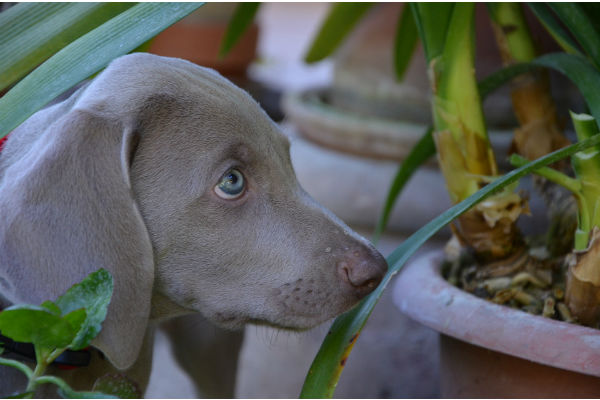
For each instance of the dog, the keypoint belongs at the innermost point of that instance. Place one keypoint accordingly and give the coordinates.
(174, 180)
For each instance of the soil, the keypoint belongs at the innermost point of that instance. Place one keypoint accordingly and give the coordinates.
(537, 286)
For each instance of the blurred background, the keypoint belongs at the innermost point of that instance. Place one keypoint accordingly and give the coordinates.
(350, 123)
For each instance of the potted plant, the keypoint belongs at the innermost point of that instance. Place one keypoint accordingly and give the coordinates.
(533, 361)
(488, 231)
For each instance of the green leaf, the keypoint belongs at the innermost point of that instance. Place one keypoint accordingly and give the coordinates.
(52, 307)
(32, 32)
(584, 30)
(432, 20)
(35, 324)
(338, 24)
(547, 18)
(592, 10)
(118, 385)
(498, 78)
(73, 394)
(418, 155)
(92, 294)
(23, 395)
(329, 362)
(85, 56)
(421, 152)
(406, 41)
(581, 72)
(240, 21)
(76, 318)
(66, 392)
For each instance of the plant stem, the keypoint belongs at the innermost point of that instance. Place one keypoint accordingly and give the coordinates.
(587, 170)
(40, 368)
(539, 132)
(464, 152)
(583, 277)
(573, 185)
(581, 236)
(512, 32)
(18, 365)
(44, 357)
(461, 138)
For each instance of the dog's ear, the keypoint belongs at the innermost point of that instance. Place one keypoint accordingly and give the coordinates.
(66, 210)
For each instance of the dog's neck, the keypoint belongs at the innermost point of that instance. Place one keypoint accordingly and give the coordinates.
(163, 308)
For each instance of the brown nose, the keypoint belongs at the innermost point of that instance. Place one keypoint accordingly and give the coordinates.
(362, 269)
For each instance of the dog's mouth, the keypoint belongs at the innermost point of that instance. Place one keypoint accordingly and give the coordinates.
(293, 327)
(290, 323)
(298, 306)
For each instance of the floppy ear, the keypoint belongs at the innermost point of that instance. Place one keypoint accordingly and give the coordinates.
(66, 210)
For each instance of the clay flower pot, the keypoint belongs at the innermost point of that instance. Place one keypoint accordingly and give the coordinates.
(488, 350)
(198, 37)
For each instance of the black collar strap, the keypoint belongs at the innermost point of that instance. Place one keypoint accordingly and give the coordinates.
(26, 351)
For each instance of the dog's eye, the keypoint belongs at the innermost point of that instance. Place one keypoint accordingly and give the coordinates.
(231, 186)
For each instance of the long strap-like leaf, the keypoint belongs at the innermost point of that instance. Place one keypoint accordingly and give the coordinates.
(405, 42)
(327, 366)
(581, 26)
(86, 56)
(240, 21)
(546, 17)
(581, 72)
(337, 25)
(32, 32)
(432, 21)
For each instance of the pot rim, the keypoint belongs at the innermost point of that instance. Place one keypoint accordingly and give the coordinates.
(425, 296)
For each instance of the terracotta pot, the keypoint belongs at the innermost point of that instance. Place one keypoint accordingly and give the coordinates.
(488, 350)
(198, 37)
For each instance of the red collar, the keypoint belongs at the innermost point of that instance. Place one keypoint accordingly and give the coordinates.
(2, 142)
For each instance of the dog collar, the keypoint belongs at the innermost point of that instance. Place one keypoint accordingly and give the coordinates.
(2, 141)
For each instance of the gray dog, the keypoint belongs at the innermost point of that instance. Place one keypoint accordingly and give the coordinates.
(174, 180)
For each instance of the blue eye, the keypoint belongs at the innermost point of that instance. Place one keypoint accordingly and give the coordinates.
(231, 186)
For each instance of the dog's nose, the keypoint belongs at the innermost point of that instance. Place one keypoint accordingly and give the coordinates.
(363, 269)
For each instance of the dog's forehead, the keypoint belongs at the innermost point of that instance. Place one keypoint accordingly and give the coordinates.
(127, 84)
(211, 99)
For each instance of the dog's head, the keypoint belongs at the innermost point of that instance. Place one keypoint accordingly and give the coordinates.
(177, 182)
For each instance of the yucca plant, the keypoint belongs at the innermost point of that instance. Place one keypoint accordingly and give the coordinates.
(486, 206)
(463, 147)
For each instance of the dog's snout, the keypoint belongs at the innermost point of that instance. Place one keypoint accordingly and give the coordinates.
(362, 269)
